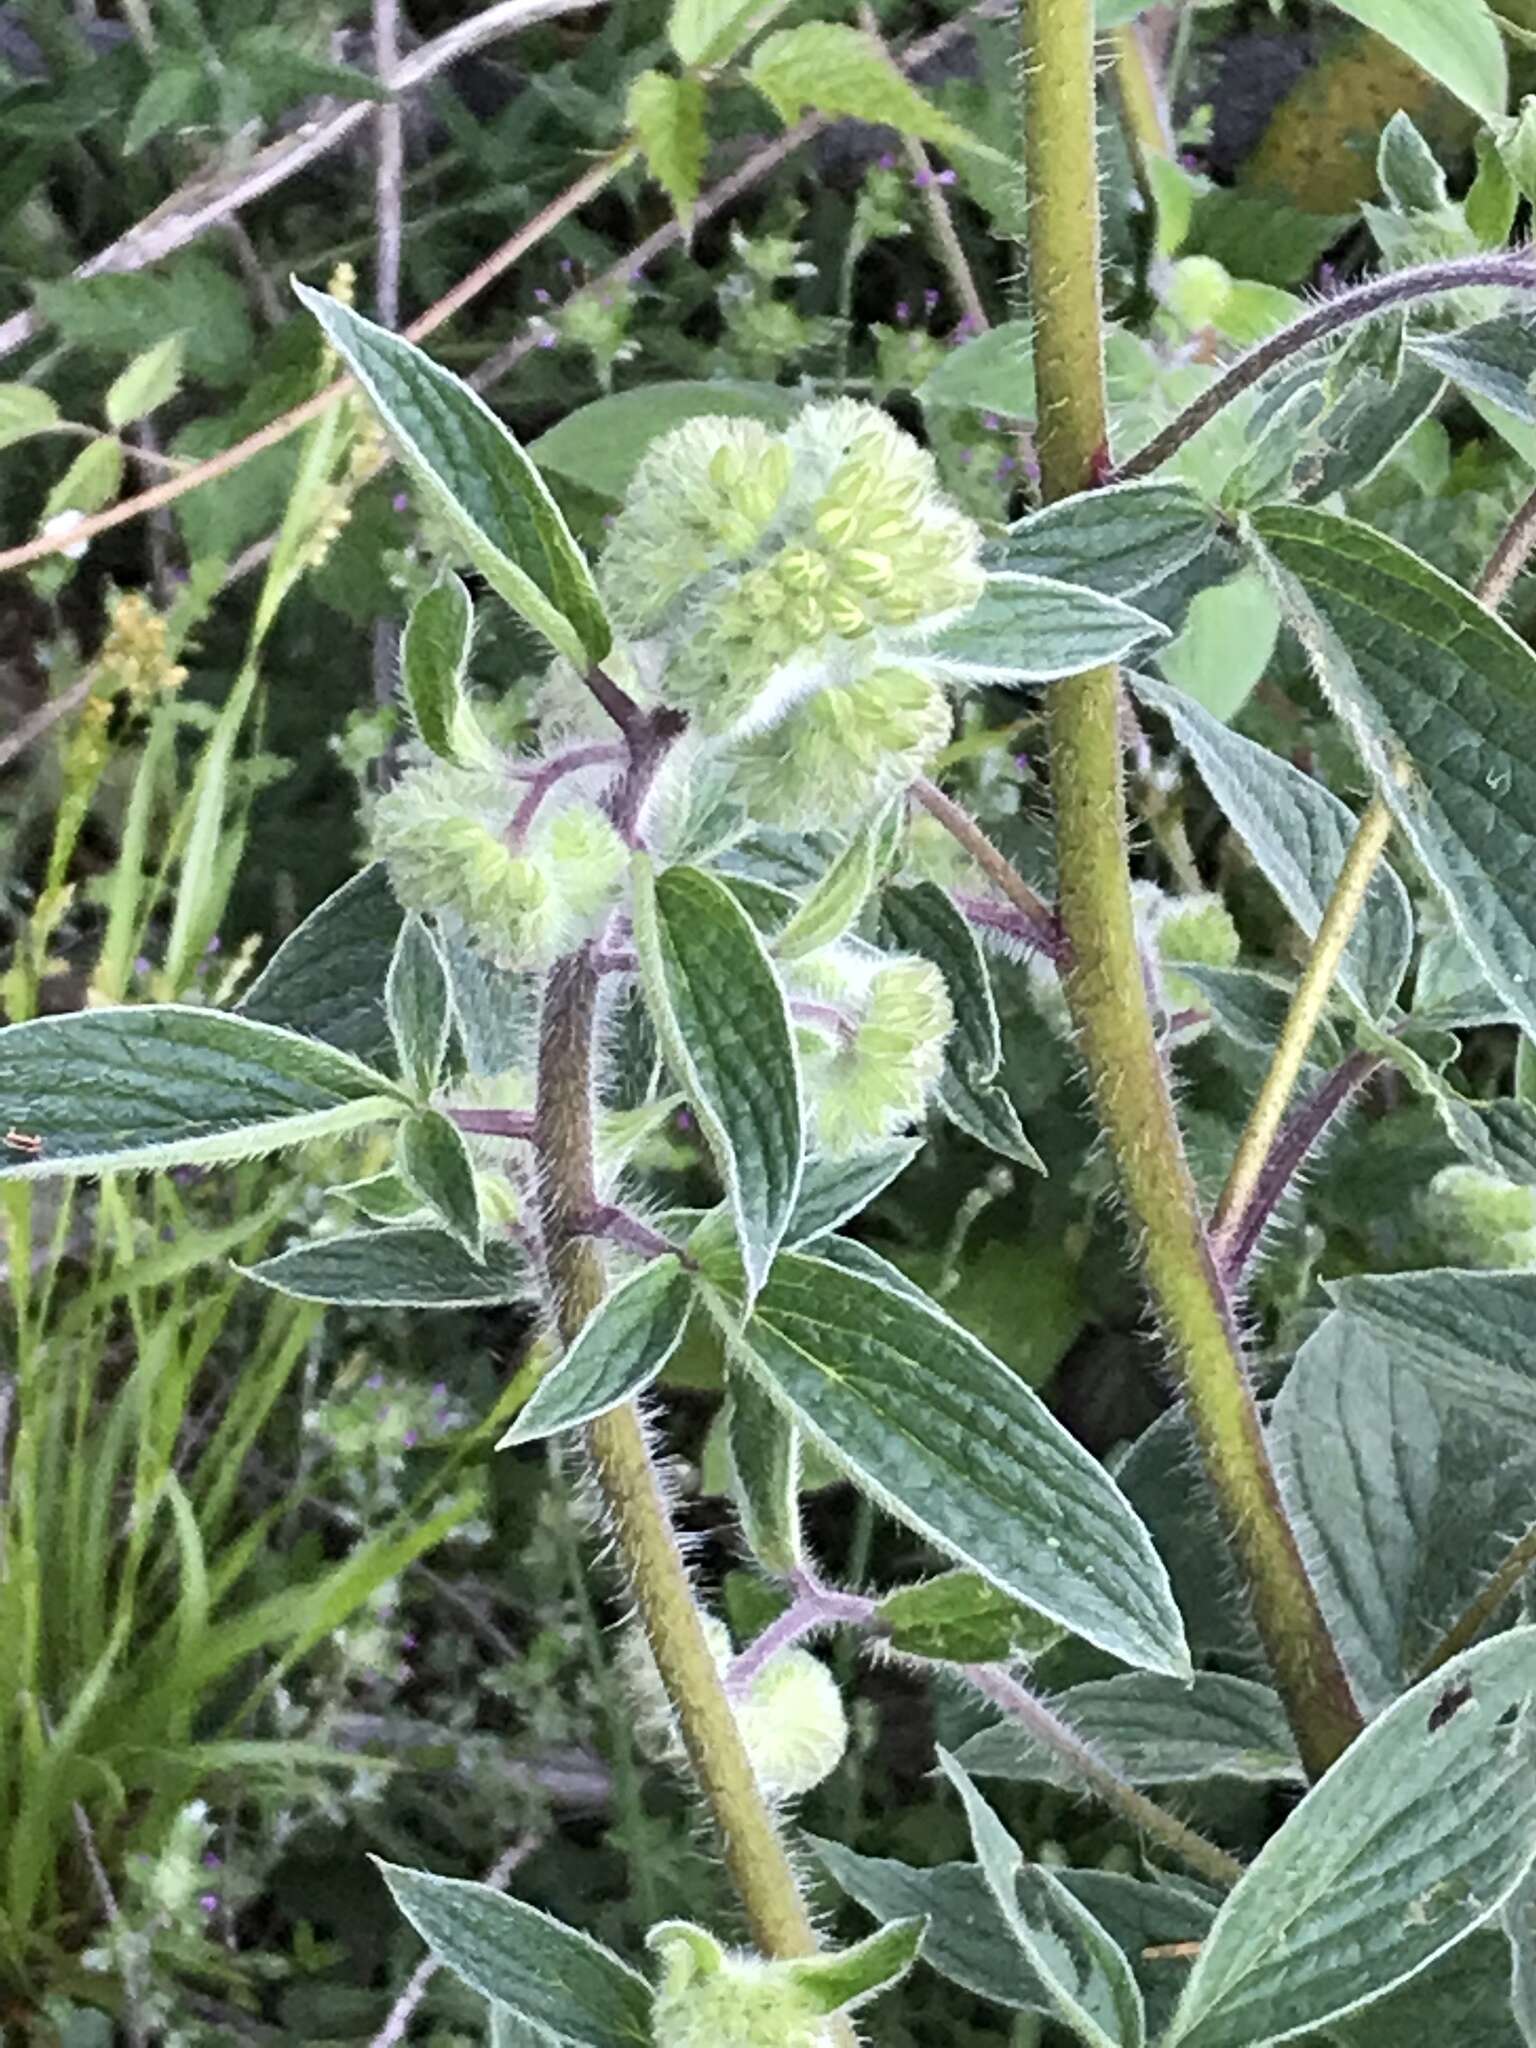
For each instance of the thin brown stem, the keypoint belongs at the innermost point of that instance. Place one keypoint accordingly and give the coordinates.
(1096, 1772)
(1038, 918)
(1509, 557)
(1330, 316)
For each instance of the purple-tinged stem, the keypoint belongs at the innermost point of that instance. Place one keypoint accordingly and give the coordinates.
(1044, 927)
(1013, 924)
(1099, 1775)
(812, 1609)
(615, 700)
(1298, 1135)
(619, 1227)
(824, 1017)
(495, 1123)
(555, 769)
(1329, 316)
(615, 961)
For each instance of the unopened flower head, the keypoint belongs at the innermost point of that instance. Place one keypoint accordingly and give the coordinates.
(710, 1997)
(874, 1076)
(134, 656)
(841, 751)
(446, 835)
(760, 556)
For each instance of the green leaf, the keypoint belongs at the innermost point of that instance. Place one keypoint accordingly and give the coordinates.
(1468, 1335)
(170, 98)
(91, 481)
(969, 1942)
(1115, 541)
(382, 1198)
(327, 978)
(1403, 1500)
(709, 31)
(953, 1444)
(617, 1353)
(121, 313)
(1085, 1971)
(959, 1618)
(1493, 197)
(667, 116)
(164, 1085)
(146, 384)
(1032, 629)
(417, 1003)
(833, 1190)
(836, 900)
(600, 445)
(1224, 645)
(1153, 1731)
(1423, 674)
(1456, 41)
(846, 1977)
(1492, 360)
(435, 1161)
(839, 70)
(1298, 833)
(434, 651)
(993, 372)
(922, 919)
(24, 410)
(1415, 1837)
(575, 1991)
(477, 479)
(1405, 164)
(724, 1028)
(400, 1268)
(764, 1449)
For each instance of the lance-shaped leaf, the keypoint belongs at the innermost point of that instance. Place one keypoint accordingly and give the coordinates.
(969, 1941)
(1299, 833)
(1086, 1972)
(1032, 629)
(398, 1268)
(837, 898)
(418, 1006)
(923, 919)
(1415, 1837)
(1429, 680)
(618, 1351)
(569, 1989)
(327, 978)
(1115, 541)
(833, 1190)
(952, 1443)
(434, 651)
(435, 1161)
(1154, 1731)
(165, 1085)
(724, 1028)
(764, 1449)
(477, 479)
(1492, 360)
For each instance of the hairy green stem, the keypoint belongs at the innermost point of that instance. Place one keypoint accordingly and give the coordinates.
(1105, 986)
(1099, 1775)
(1484, 1604)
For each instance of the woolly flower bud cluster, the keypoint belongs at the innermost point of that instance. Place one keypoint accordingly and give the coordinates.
(1197, 930)
(711, 1998)
(791, 1717)
(449, 837)
(774, 563)
(872, 1035)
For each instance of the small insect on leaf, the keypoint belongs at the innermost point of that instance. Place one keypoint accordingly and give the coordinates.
(24, 1141)
(1450, 1703)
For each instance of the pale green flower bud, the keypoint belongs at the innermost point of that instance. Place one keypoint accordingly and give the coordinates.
(879, 1077)
(1197, 929)
(843, 749)
(711, 1999)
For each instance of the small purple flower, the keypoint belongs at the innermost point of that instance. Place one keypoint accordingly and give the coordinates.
(931, 300)
(374, 1381)
(212, 1862)
(548, 340)
(885, 161)
(407, 1642)
(1006, 467)
(542, 297)
(209, 1902)
(965, 457)
(1327, 277)
(1021, 762)
(214, 945)
(566, 266)
(685, 1120)
(903, 312)
(948, 177)
(401, 501)
(991, 422)
(141, 965)
(922, 179)
(411, 1439)
(440, 1389)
